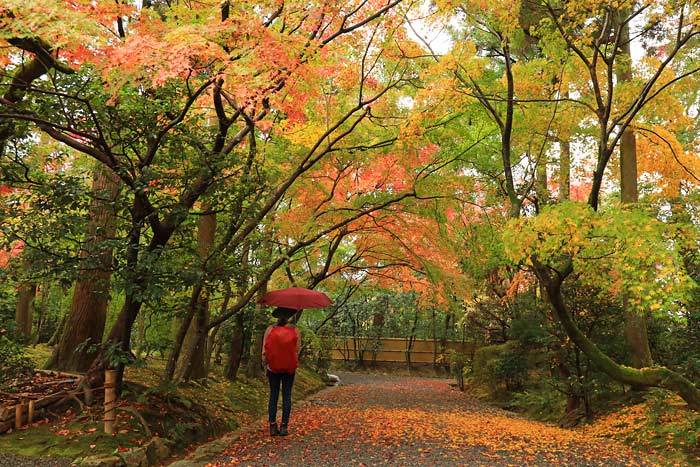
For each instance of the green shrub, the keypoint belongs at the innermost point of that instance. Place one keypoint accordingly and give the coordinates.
(13, 363)
(316, 349)
(511, 370)
(458, 366)
(502, 366)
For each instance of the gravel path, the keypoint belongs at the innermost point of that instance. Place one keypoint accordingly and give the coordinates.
(12, 460)
(415, 422)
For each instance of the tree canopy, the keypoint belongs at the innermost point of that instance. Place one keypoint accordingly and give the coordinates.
(176, 160)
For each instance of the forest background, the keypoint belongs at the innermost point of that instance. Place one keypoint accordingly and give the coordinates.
(501, 173)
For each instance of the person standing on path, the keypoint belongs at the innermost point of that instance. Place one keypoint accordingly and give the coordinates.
(280, 358)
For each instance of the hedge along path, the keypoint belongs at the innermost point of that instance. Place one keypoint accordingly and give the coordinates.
(402, 422)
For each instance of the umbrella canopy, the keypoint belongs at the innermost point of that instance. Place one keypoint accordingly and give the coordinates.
(296, 298)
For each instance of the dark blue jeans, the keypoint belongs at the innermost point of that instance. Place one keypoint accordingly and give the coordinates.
(286, 380)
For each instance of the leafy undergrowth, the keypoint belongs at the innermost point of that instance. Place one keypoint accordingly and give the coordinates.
(662, 424)
(184, 415)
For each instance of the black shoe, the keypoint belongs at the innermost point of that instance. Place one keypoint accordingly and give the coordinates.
(273, 430)
(283, 430)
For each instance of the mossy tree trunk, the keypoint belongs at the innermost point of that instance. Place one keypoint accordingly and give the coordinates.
(644, 377)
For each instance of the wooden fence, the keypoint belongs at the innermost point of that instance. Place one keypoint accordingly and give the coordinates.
(393, 350)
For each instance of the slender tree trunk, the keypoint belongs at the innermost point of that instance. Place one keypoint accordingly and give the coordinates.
(635, 323)
(119, 338)
(85, 323)
(171, 366)
(43, 307)
(141, 334)
(411, 338)
(213, 342)
(119, 341)
(57, 333)
(237, 346)
(260, 318)
(541, 189)
(214, 339)
(194, 359)
(573, 400)
(445, 336)
(253, 369)
(23, 311)
(378, 320)
(238, 335)
(565, 169)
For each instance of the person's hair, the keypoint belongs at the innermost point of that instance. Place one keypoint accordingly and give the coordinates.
(282, 321)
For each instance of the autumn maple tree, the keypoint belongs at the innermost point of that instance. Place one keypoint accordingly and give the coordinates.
(182, 102)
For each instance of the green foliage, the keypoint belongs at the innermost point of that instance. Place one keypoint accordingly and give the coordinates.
(13, 363)
(646, 267)
(541, 403)
(114, 355)
(7, 304)
(459, 367)
(316, 348)
(530, 324)
(511, 370)
(501, 366)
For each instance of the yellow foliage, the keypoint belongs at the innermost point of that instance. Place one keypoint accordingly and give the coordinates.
(660, 155)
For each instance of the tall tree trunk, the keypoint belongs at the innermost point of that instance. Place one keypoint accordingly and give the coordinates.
(253, 369)
(214, 339)
(635, 323)
(260, 317)
(193, 365)
(237, 346)
(43, 307)
(412, 338)
(173, 358)
(58, 332)
(140, 334)
(449, 317)
(565, 169)
(23, 311)
(194, 358)
(213, 342)
(85, 323)
(118, 343)
(541, 189)
(377, 330)
(238, 336)
(119, 338)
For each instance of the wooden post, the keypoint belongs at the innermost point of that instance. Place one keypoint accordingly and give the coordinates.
(18, 415)
(110, 400)
(30, 413)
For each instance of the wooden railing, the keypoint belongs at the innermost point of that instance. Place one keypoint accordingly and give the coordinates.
(393, 350)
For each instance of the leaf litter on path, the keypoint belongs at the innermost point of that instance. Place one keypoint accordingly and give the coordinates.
(411, 422)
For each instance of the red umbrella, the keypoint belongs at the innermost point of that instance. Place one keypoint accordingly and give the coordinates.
(296, 298)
